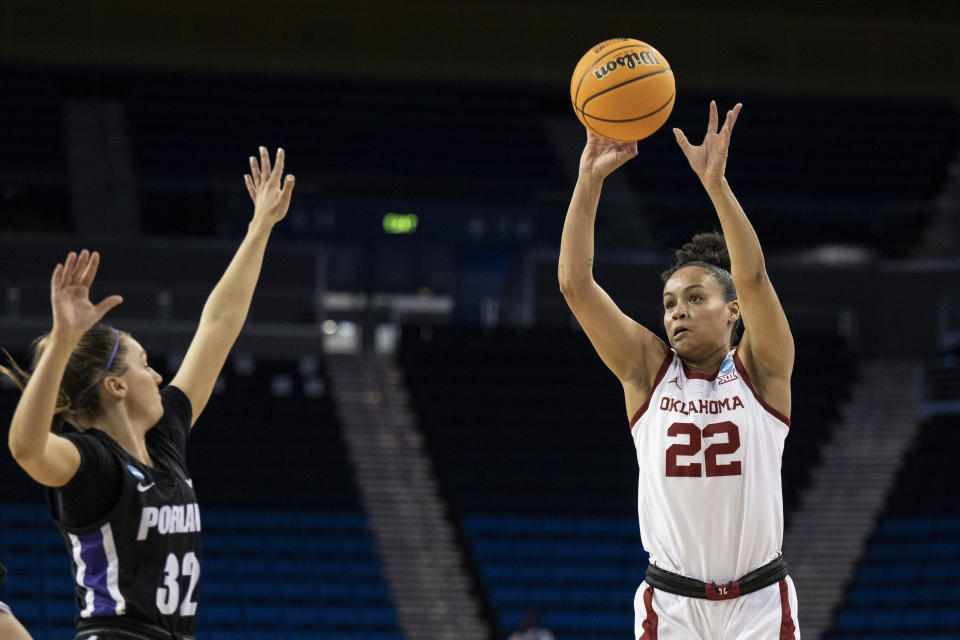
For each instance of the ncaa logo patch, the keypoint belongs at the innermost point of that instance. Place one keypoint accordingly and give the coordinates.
(728, 372)
(726, 367)
(135, 472)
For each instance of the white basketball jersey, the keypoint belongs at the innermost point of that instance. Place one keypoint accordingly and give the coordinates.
(710, 501)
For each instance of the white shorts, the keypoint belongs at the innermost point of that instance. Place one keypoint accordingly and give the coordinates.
(767, 614)
(4, 608)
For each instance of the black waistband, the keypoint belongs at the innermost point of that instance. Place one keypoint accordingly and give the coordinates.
(770, 573)
(125, 629)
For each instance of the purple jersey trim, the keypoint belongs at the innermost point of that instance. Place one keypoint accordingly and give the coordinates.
(94, 556)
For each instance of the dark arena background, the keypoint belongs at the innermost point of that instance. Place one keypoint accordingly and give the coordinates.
(412, 438)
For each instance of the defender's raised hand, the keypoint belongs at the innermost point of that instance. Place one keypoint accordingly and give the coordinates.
(709, 159)
(73, 313)
(269, 192)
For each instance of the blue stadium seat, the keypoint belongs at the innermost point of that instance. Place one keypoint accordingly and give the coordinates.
(335, 583)
(909, 580)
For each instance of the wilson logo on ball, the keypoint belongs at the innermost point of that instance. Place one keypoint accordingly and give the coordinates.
(630, 61)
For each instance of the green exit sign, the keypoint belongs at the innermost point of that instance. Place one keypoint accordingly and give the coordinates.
(397, 223)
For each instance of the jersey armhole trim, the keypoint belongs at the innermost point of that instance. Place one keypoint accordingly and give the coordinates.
(667, 360)
(746, 378)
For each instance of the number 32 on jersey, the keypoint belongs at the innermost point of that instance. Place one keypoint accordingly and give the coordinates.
(677, 468)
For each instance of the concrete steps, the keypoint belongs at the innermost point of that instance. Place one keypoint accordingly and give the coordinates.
(422, 560)
(847, 491)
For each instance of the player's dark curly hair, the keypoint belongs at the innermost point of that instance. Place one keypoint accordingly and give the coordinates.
(709, 252)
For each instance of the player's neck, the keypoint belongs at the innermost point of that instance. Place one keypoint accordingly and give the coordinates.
(709, 363)
(128, 434)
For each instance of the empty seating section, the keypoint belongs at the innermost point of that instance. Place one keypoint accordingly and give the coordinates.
(823, 371)
(943, 382)
(523, 422)
(292, 575)
(866, 168)
(34, 178)
(906, 584)
(269, 437)
(287, 553)
(381, 131)
(530, 436)
(192, 134)
(38, 587)
(15, 485)
(810, 170)
(579, 573)
(266, 574)
(925, 486)
(813, 148)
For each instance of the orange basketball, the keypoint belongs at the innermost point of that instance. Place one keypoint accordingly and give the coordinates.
(622, 89)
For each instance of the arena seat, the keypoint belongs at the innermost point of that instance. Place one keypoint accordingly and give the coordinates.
(906, 582)
(578, 575)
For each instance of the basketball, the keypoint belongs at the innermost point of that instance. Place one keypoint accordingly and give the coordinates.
(622, 89)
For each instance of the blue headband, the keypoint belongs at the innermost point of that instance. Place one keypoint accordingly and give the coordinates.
(112, 355)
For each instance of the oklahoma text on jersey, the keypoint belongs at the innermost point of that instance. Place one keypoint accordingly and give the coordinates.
(711, 407)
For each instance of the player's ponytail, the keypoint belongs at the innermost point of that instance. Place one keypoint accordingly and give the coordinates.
(99, 352)
(709, 252)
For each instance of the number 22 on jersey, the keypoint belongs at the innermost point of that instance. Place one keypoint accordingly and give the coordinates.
(693, 445)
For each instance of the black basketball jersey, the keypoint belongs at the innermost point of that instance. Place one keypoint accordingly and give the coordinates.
(136, 569)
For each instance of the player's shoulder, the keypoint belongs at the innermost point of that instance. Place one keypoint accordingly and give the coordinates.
(176, 401)
(93, 444)
(177, 411)
(168, 437)
(771, 393)
(640, 395)
(658, 362)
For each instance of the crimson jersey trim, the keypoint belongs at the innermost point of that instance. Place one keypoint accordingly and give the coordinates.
(651, 622)
(656, 382)
(787, 628)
